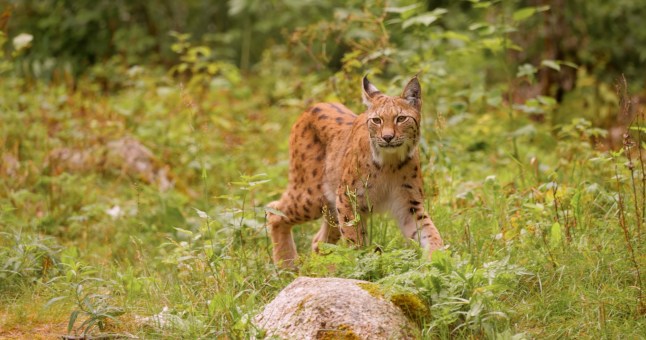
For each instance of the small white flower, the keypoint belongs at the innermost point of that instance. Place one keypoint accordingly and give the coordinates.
(115, 212)
(201, 213)
(22, 41)
(135, 71)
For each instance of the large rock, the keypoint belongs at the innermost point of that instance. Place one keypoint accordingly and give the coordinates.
(333, 308)
(126, 155)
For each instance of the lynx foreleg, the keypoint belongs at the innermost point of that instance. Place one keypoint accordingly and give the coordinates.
(329, 232)
(415, 223)
(351, 224)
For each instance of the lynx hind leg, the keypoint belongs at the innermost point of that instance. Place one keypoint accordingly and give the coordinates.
(280, 227)
(329, 233)
(303, 199)
(297, 208)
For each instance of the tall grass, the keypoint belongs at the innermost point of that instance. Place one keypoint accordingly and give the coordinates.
(632, 228)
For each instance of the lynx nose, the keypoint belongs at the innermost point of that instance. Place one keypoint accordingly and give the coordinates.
(388, 138)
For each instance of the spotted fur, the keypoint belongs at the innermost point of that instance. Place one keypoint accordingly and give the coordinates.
(343, 165)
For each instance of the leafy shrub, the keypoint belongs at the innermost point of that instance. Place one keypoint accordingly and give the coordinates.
(462, 299)
(26, 258)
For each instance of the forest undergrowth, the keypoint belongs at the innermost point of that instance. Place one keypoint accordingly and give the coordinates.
(138, 208)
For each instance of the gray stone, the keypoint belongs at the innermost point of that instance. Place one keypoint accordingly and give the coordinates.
(333, 308)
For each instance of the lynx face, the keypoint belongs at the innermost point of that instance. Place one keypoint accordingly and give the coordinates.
(393, 122)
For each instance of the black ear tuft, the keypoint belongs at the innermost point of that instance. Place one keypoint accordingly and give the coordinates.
(413, 93)
(368, 91)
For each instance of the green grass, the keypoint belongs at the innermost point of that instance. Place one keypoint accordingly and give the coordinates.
(536, 245)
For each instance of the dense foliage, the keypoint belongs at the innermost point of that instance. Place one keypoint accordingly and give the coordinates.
(141, 141)
(73, 36)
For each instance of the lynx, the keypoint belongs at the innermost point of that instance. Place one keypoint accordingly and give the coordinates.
(345, 167)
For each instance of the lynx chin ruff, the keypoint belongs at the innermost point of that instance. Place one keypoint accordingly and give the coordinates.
(344, 166)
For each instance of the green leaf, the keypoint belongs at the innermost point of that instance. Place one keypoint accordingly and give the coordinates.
(201, 214)
(177, 47)
(494, 44)
(254, 183)
(545, 100)
(236, 7)
(537, 207)
(212, 68)
(402, 9)
(52, 301)
(494, 100)
(456, 36)
(551, 64)
(184, 231)
(527, 12)
(555, 234)
(482, 4)
(424, 19)
(569, 63)
(87, 325)
(526, 70)
(73, 317)
(275, 211)
(478, 25)
(113, 312)
(197, 51)
(523, 13)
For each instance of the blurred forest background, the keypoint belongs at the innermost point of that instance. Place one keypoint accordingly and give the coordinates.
(140, 142)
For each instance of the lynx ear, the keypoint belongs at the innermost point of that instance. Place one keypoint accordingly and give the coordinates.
(413, 93)
(368, 91)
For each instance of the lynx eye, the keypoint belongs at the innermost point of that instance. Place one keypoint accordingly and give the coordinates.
(401, 119)
(376, 120)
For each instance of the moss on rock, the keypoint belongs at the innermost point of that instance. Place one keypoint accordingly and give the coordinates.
(372, 288)
(412, 306)
(343, 332)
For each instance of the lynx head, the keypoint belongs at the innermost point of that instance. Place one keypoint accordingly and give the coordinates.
(393, 121)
